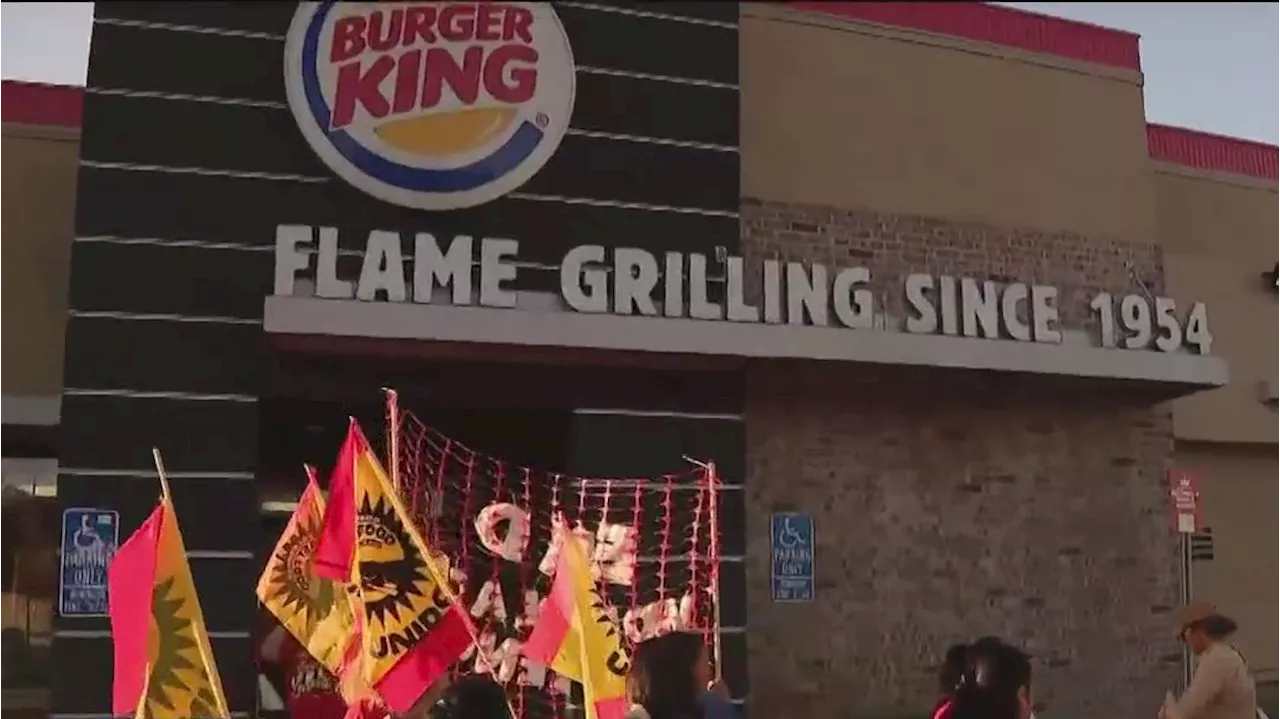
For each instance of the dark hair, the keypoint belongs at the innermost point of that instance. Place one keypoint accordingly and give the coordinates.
(994, 672)
(1217, 626)
(951, 669)
(661, 678)
(473, 697)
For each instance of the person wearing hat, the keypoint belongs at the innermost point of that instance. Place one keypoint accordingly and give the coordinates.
(1221, 687)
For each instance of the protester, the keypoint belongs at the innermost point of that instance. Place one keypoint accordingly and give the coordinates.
(670, 678)
(948, 677)
(994, 682)
(310, 691)
(1221, 687)
(475, 697)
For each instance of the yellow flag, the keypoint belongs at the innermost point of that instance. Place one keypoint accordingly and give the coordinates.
(405, 602)
(577, 637)
(183, 681)
(315, 610)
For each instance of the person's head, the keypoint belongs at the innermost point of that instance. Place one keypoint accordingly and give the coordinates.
(1200, 626)
(951, 669)
(476, 696)
(995, 682)
(668, 674)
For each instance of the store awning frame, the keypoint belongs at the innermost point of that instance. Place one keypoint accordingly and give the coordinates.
(541, 324)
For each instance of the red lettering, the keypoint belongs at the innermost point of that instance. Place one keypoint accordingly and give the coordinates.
(489, 21)
(457, 22)
(356, 88)
(418, 24)
(442, 68)
(383, 41)
(505, 66)
(511, 73)
(408, 80)
(383, 30)
(516, 23)
(348, 38)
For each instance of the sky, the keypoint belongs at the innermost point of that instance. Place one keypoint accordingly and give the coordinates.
(1213, 67)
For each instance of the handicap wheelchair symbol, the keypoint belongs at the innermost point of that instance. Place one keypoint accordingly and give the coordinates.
(788, 537)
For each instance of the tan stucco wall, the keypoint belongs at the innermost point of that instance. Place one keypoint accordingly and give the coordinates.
(858, 116)
(1219, 236)
(39, 194)
(1239, 492)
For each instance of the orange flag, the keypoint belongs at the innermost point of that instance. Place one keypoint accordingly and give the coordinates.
(164, 666)
(410, 627)
(575, 635)
(315, 610)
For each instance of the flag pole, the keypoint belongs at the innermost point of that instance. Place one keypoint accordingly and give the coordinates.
(202, 648)
(713, 483)
(141, 711)
(164, 479)
(393, 430)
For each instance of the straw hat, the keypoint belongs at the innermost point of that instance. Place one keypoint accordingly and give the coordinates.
(1189, 614)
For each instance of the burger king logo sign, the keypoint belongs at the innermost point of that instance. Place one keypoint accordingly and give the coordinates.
(436, 105)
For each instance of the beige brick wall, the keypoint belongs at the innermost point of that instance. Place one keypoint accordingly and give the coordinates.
(950, 505)
(894, 246)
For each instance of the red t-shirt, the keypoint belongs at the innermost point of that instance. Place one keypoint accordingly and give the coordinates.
(311, 692)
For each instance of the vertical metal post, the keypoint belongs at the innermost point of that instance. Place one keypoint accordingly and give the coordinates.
(1184, 559)
(393, 429)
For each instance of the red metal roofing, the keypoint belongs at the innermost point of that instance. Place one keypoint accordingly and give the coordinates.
(1214, 153)
(38, 103)
(997, 25)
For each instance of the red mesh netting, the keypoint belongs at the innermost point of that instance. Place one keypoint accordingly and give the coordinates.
(654, 542)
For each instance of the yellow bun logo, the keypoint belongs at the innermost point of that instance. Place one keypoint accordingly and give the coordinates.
(435, 106)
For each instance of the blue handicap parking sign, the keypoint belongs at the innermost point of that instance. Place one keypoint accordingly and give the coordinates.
(791, 550)
(90, 538)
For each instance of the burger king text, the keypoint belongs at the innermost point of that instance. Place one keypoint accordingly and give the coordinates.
(498, 57)
(430, 105)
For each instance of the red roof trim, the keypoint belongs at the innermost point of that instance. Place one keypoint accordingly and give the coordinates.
(33, 103)
(997, 25)
(38, 103)
(1212, 153)
(1068, 39)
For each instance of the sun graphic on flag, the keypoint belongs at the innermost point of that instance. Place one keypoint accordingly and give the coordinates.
(292, 582)
(176, 654)
(394, 579)
(605, 614)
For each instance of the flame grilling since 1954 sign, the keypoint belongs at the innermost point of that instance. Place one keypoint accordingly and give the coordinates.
(449, 105)
(433, 106)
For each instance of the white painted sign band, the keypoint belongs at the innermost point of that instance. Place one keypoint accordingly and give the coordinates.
(630, 281)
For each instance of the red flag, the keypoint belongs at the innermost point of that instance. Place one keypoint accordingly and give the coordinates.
(410, 627)
(130, 582)
(336, 548)
(164, 667)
